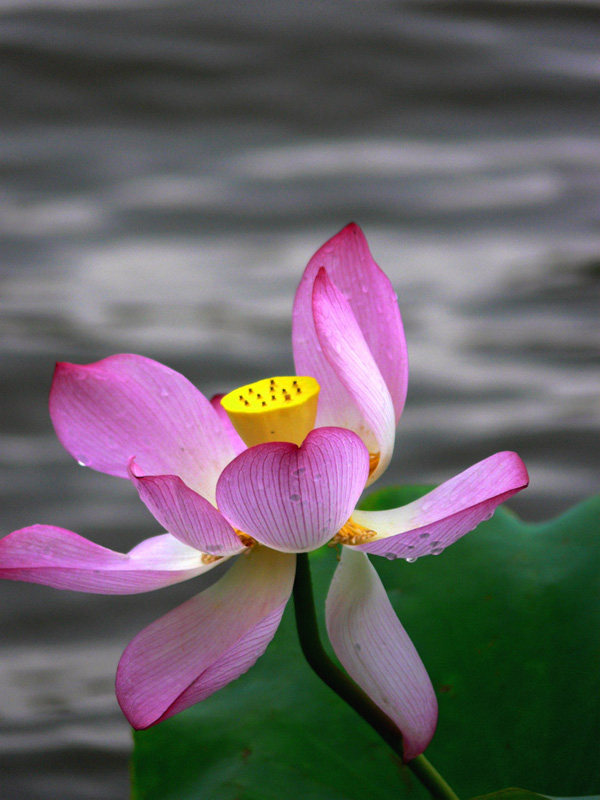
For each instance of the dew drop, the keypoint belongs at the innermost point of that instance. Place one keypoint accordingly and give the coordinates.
(411, 559)
(357, 647)
(489, 515)
(298, 472)
(390, 556)
(295, 498)
(423, 536)
(164, 393)
(81, 463)
(437, 550)
(317, 477)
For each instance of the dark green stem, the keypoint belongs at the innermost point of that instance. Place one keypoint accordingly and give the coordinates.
(336, 679)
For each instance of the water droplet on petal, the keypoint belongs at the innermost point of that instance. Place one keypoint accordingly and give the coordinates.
(81, 463)
(164, 393)
(489, 515)
(437, 550)
(423, 536)
(298, 472)
(357, 647)
(295, 498)
(317, 477)
(411, 559)
(390, 556)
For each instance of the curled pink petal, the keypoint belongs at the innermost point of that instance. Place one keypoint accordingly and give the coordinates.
(293, 498)
(365, 405)
(60, 558)
(350, 266)
(206, 643)
(185, 514)
(377, 653)
(127, 406)
(237, 442)
(429, 525)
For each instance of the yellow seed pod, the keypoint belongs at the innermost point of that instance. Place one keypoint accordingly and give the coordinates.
(280, 409)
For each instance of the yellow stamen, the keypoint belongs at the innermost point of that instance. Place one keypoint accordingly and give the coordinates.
(208, 558)
(352, 533)
(246, 540)
(284, 416)
(373, 462)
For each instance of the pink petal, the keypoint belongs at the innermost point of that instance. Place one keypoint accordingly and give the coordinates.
(293, 498)
(435, 521)
(185, 514)
(128, 407)
(63, 559)
(237, 442)
(364, 403)
(377, 653)
(350, 266)
(206, 643)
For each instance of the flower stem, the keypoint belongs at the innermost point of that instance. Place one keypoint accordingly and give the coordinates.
(431, 779)
(342, 685)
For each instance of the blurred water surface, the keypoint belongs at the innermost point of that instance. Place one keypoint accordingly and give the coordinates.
(166, 171)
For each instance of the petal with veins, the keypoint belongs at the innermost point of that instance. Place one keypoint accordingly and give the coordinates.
(350, 266)
(293, 498)
(127, 406)
(60, 558)
(377, 653)
(206, 643)
(435, 521)
(185, 514)
(236, 440)
(366, 398)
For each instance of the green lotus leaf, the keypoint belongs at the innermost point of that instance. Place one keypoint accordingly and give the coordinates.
(507, 623)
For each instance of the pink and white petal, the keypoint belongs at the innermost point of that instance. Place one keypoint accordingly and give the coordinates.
(429, 525)
(350, 266)
(185, 514)
(60, 558)
(377, 653)
(237, 442)
(295, 499)
(206, 643)
(127, 406)
(364, 405)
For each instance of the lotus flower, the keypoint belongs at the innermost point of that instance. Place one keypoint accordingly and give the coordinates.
(272, 469)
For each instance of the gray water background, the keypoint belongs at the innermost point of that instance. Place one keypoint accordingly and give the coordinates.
(166, 171)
